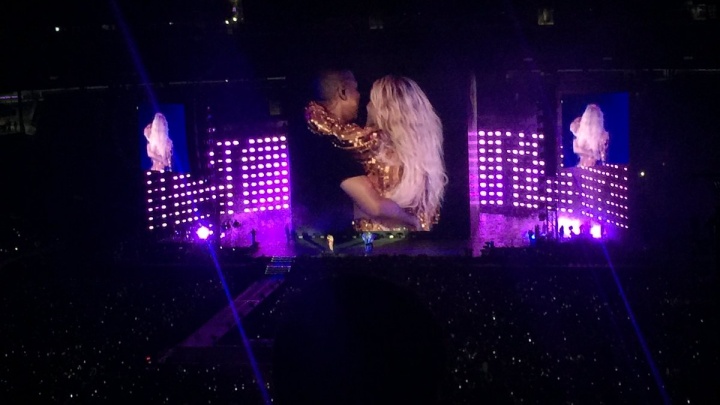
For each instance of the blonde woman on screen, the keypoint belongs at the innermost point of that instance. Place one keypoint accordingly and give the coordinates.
(591, 139)
(159, 146)
(409, 163)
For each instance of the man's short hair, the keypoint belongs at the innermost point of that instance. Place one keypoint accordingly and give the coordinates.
(328, 81)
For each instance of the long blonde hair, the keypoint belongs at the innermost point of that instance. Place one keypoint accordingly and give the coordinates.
(405, 114)
(592, 138)
(160, 138)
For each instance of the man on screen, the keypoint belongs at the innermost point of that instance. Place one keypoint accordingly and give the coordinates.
(337, 95)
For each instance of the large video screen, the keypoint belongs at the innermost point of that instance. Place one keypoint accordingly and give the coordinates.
(595, 129)
(162, 135)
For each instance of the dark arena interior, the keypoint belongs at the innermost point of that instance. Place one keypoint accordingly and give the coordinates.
(229, 270)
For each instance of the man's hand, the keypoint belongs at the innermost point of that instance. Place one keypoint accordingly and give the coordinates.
(362, 192)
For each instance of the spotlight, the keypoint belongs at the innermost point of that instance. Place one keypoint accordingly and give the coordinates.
(203, 232)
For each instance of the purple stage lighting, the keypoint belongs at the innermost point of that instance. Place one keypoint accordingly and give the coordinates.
(604, 193)
(265, 175)
(251, 187)
(597, 195)
(173, 200)
(264, 179)
(509, 169)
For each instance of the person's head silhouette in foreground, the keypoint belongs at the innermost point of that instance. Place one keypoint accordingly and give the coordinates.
(357, 340)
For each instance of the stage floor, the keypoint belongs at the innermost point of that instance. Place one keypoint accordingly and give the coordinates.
(355, 247)
(585, 251)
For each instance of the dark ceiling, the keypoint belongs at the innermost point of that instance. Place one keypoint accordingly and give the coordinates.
(85, 43)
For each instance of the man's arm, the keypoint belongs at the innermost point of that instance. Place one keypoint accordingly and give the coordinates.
(367, 198)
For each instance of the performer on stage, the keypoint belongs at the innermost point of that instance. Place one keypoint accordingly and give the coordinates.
(342, 141)
(401, 150)
(159, 146)
(591, 139)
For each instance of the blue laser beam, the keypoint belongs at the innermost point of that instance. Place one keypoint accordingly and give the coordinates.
(236, 317)
(643, 344)
(134, 54)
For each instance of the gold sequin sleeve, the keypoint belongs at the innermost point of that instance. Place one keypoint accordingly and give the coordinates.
(365, 143)
(345, 136)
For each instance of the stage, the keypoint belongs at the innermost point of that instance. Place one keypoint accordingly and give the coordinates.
(352, 245)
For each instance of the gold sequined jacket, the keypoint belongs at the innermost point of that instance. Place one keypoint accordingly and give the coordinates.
(365, 144)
